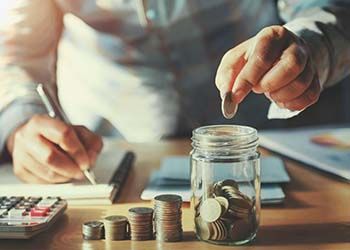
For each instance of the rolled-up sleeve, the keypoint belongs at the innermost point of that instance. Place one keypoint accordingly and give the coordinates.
(324, 25)
(29, 33)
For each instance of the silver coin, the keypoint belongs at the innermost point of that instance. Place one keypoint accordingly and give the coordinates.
(93, 230)
(140, 210)
(168, 198)
(228, 106)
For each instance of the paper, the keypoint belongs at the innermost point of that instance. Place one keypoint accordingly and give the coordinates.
(173, 177)
(106, 165)
(178, 168)
(298, 144)
(270, 193)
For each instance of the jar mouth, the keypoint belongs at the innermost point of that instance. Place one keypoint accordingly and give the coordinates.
(225, 135)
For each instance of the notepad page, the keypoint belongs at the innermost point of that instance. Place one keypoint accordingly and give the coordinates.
(104, 169)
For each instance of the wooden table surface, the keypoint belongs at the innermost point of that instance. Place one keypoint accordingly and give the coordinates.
(315, 214)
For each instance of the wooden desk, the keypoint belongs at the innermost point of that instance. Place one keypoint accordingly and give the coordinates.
(315, 215)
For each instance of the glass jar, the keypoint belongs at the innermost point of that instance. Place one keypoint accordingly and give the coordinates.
(225, 181)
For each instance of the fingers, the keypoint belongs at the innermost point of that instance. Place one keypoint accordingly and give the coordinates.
(291, 64)
(269, 44)
(47, 154)
(41, 171)
(26, 176)
(230, 66)
(63, 135)
(294, 88)
(91, 141)
(309, 97)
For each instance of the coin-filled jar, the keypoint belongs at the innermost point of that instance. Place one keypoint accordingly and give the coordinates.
(225, 181)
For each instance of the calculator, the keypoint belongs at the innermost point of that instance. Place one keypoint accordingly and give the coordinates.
(24, 217)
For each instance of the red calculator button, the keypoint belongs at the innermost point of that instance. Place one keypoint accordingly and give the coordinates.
(37, 213)
(46, 209)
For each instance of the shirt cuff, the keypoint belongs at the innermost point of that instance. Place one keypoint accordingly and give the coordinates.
(16, 114)
(310, 32)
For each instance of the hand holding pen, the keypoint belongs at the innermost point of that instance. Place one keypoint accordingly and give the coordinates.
(49, 150)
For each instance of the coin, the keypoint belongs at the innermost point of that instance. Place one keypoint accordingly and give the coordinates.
(220, 231)
(210, 210)
(168, 198)
(203, 228)
(168, 217)
(240, 230)
(228, 106)
(223, 202)
(141, 223)
(230, 182)
(93, 230)
(116, 227)
(229, 216)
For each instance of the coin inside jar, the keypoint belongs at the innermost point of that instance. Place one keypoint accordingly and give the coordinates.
(210, 210)
(229, 216)
(223, 202)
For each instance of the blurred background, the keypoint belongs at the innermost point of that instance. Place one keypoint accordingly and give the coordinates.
(332, 108)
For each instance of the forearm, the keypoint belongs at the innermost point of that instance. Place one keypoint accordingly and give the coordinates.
(27, 56)
(322, 24)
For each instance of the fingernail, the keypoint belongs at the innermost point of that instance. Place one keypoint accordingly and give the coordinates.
(84, 166)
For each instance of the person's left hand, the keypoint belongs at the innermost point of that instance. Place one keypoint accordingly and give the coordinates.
(274, 62)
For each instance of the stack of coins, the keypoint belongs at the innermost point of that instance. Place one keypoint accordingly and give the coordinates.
(141, 223)
(93, 230)
(229, 215)
(116, 227)
(167, 217)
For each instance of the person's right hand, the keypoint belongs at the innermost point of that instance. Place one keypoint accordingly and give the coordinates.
(46, 150)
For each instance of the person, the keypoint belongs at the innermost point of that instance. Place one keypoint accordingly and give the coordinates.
(145, 70)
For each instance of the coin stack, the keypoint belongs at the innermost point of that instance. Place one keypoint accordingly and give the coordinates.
(116, 227)
(167, 217)
(93, 230)
(141, 223)
(228, 216)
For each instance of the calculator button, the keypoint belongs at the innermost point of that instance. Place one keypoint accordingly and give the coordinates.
(37, 213)
(34, 199)
(47, 202)
(28, 204)
(3, 212)
(45, 209)
(16, 213)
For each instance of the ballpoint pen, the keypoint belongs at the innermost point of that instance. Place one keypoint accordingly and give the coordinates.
(55, 111)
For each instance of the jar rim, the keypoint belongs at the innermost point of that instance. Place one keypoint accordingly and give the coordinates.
(224, 132)
(225, 136)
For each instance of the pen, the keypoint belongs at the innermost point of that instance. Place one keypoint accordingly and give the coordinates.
(55, 111)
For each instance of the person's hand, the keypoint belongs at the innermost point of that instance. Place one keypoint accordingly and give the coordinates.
(46, 150)
(274, 62)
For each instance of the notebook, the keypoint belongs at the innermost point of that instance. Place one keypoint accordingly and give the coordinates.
(173, 177)
(110, 169)
(327, 149)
